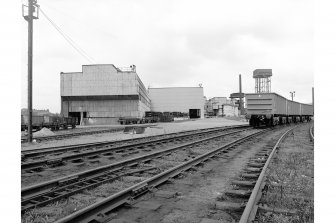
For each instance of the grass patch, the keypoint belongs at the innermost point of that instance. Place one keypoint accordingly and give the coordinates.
(290, 181)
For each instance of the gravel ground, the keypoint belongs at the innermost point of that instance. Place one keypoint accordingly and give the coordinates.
(28, 179)
(70, 205)
(195, 193)
(160, 128)
(291, 180)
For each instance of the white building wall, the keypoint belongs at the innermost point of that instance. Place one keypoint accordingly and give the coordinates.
(230, 110)
(99, 80)
(104, 80)
(106, 108)
(177, 99)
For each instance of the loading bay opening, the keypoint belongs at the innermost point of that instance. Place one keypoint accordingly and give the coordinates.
(194, 113)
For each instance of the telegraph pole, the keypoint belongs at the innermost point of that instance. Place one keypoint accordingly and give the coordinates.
(32, 6)
(240, 84)
(313, 98)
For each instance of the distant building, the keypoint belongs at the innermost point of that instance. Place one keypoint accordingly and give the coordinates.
(178, 99)
(103, 93)
(221, 106)
(37, 112)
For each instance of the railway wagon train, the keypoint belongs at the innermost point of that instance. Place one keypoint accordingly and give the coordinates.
(271, 109)
(53, 122)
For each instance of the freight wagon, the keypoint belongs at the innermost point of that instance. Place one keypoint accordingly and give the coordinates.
(272, 109)
(48, 121)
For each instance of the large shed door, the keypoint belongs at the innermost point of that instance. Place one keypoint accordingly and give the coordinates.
(194, 113)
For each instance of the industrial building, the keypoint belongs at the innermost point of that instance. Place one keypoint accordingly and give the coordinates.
(178, 99)
(221, 106)
(103, 93)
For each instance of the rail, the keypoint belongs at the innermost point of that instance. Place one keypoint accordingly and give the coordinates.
(46, 150)
(47, 188)
(40, 163)
(249, 210)
(104, 206)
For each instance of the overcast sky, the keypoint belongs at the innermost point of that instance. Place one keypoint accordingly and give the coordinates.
(175, 43)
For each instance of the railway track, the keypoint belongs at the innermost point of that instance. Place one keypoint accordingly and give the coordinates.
(101, 209)
(258, 169)
(247, 192)
(69, 135)
(56, 149)
(47, 192)
(56, 156)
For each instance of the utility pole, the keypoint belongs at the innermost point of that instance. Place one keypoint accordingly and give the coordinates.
(240, 80)
(313, 99)
(292, 94)
(32, 6)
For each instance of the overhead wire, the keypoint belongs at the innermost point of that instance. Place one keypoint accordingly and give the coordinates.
(69, 39)
(72, 42)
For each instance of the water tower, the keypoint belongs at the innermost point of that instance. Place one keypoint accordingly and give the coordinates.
(262, 80)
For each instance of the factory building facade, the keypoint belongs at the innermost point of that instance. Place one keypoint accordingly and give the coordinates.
(101, 94)
(221, 106)
(178, 99)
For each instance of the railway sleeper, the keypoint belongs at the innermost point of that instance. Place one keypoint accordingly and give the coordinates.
(243, 183)
(258, 160)
(78, 160)
(125, 154)
(256, 165)
(37, 157)
(93, 157)
(65, 192)
(200, 164)
(249, 176)
(261, 158)
(55, 162)
(57, 154)
(229, 206)
(68, 181)
(238, 193)
(34, 169)
(267, 149)
(109, 154)
(192, 168)
(253, 170)
(260, 154)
